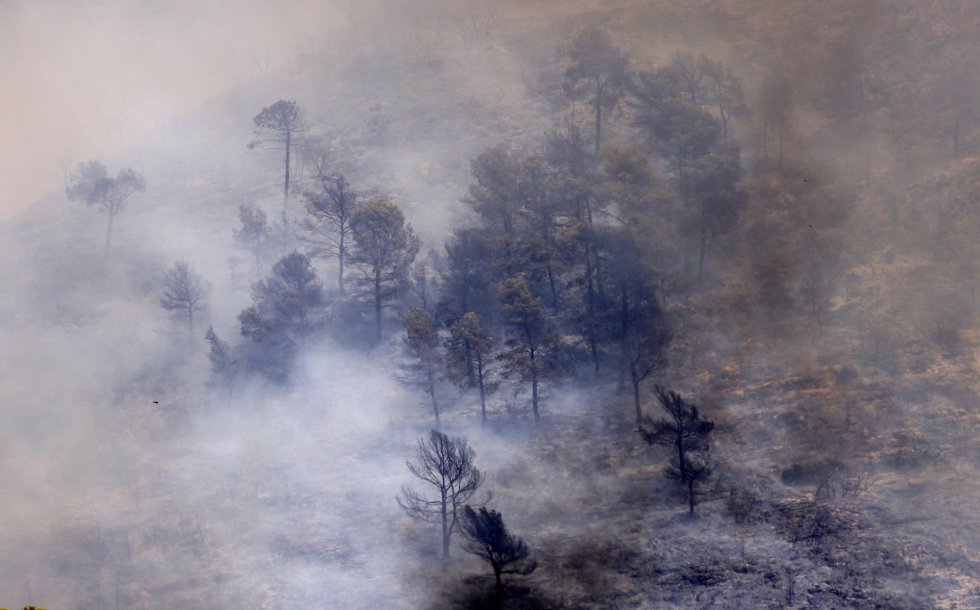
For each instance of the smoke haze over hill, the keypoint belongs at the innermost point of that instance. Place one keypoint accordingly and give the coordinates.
(768, 207)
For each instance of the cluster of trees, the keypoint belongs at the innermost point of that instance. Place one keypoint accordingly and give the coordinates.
(566, 258)
(564, 262)
(368, 238)
(568, 252)
(593, 252)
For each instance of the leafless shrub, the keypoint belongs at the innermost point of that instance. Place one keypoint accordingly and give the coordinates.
(742, 504)
(813, 522)
(846, 482)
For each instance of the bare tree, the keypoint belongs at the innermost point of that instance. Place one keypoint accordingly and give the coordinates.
(487, 537)
(446, 463)
(184, 293)
(92, 185)
(276, 127)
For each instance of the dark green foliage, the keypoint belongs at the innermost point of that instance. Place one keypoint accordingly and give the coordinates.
(669, 111)
(574, 186)
(717, 198)
(291, 297)
(631, 317)
(674, 124)
(598, 70)
(384, 249)
(288, 309)
(647, 208)
(496, 197)
(536, 221)
(468, 279)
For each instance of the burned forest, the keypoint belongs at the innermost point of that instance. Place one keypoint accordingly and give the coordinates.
(490, 304)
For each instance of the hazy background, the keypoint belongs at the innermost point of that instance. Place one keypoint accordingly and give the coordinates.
(126, 479)
(79, 80)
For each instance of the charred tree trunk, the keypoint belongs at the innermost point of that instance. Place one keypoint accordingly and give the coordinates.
(108, 233)
(432, 395)
(636, 400)
(598, 117)
(285, 184)
(483, 393)
(552, 287)
(341, 254)
(470, 373)
(704, 246)
(445, 526)
(377, 304)
(499, 589)
(623, 330)
(534, 397)
(779, 158)
(590, 309)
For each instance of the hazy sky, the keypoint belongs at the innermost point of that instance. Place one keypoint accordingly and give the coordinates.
(78, 77)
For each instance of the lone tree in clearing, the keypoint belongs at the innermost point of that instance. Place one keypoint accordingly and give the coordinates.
(184, 293)
(486, 536)
(276, 127)
(92, 185)
(687, 434)
(446, 463)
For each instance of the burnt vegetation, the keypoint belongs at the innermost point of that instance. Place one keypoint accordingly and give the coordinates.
(703, 298)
